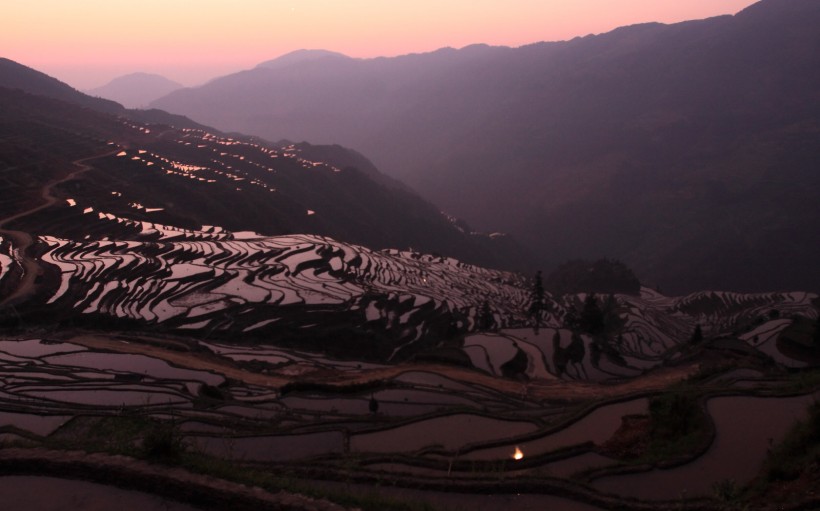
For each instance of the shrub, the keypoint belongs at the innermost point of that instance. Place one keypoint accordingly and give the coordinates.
(164, 443)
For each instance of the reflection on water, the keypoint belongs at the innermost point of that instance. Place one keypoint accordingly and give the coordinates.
(745, 427)
(272, 448)
(38, 424)
(451, 432)
(30, 493)
(460, 501)
(596, 427)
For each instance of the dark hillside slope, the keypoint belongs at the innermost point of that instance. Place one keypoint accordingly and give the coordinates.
(16, 76)
(187, 178)
(688, 151)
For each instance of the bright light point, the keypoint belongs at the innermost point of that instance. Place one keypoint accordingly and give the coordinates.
(517, 455)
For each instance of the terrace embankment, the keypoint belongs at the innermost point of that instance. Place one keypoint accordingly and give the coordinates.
(537, 389)
(174, 483)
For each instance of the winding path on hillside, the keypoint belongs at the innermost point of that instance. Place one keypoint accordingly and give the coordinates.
(21, 240)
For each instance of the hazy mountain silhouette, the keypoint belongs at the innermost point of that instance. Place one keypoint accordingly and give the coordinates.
(688, 151)
(301, 56)
(136, 90)
(45, 134)
(17, 76)
(14, 75)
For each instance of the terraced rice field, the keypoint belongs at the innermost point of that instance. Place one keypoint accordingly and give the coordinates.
(307, 355)
(46, 384)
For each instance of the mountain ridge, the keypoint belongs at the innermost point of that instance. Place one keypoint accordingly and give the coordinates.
(651, 140)
(135, 90)
(300, 56)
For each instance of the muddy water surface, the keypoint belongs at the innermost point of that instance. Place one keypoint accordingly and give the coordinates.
(35, 493)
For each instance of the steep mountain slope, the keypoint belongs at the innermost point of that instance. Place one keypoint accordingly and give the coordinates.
(136, 90)
(16, 76)
(685, 150)
(188, 178)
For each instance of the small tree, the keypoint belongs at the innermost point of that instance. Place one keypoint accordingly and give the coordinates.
(576, 349)
(486, 319)
(697, 336)
(537, 303)
(592, 317)
(164, 442)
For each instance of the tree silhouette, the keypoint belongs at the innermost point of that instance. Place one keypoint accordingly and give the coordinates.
(592, 317)
(697, 336)
(486, 319)
(537, 303)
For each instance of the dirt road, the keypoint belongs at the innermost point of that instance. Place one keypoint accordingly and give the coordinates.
(21, 240)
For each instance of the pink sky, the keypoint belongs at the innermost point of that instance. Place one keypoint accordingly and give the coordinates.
(87, 42)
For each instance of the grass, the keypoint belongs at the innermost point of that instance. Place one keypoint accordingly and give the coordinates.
(790, 473)
(273, 482)
(799, 450)
(804, 381)
(679, 427)
(115, 435)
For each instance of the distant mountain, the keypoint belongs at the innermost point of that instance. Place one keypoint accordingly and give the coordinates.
(301, 56)
(688, 151)
(17, 76)
(136, 90)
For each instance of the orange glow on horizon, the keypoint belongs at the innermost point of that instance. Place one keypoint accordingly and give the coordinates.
(88, 42)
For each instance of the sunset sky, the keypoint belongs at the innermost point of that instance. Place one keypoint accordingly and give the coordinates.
(88, 42)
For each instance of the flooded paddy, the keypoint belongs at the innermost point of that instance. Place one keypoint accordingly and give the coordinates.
(746, 427)
(597, 427)
(453, 501)
(427, 418)
(451, 433)
(272, 448)
(349, 406)
(42, 425)
(111, 398)
(36, 348)
(36, 493)
(139, 364)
